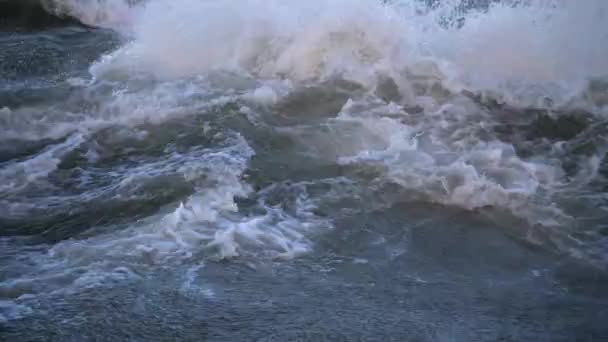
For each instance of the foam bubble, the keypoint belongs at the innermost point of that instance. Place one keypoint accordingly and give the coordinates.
(264, 95)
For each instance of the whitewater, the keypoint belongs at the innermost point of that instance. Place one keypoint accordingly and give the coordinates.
(305, 170)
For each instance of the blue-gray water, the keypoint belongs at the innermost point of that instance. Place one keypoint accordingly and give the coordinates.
(320, 171)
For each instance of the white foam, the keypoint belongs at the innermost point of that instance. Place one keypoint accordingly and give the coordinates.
(522, 53)
(17, 175)
(191, 284)
(185, 230)
(441, 157)
(266, 38)
(533, 53)
(265, 95)
(526, 53)
(154, 103)
(206, 225)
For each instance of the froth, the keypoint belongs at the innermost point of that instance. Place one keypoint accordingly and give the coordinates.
(543, 49)
(518, 52)
(440, 157)
(267, 38)
(17, 175)
(208, 224)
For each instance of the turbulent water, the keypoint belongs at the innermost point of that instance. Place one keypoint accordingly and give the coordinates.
(305, 170)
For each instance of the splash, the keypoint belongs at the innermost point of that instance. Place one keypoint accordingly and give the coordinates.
(524, 53)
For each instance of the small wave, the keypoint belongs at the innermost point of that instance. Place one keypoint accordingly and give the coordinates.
(208, 224)
(20, 174)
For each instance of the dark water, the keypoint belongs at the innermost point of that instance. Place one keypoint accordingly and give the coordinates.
(231, 173)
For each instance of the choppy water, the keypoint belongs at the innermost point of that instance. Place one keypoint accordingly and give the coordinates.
(320, 170)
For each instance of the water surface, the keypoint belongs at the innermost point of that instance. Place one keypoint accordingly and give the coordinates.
(327, 170)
